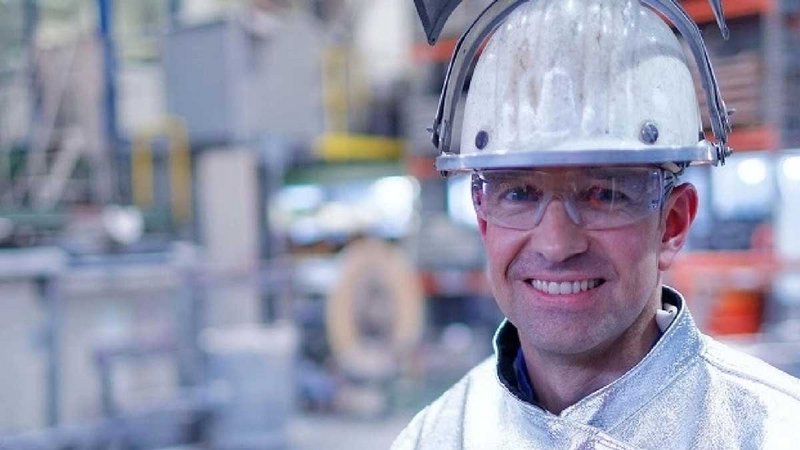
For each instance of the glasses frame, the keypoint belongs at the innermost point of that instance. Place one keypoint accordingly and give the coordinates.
(668, 181)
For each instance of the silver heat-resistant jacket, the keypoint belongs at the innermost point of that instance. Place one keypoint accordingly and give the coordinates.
(689, 392)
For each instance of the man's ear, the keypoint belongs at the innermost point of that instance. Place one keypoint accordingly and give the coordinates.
(679, 213)
(481, 225)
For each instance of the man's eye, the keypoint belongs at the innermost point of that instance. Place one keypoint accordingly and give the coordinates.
(521, 194)
(603, 195)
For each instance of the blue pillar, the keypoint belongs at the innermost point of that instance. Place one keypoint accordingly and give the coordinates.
(31, 13)
(106, 32)
(174, 11)
(49, 293)
(31, 22)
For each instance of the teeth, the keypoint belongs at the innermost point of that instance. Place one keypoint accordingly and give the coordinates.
(564, 288)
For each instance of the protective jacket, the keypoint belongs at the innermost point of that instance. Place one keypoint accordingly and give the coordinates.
(689, 392)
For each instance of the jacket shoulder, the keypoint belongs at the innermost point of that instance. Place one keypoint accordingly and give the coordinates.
(751, 373)
(440, 424)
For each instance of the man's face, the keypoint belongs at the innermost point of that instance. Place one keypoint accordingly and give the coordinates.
(574, 291)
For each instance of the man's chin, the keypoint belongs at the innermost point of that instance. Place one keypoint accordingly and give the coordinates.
(567, 344)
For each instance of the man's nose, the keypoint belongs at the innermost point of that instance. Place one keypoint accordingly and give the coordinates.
(557, 237)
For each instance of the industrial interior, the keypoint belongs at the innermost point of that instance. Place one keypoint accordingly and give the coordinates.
(221, 226)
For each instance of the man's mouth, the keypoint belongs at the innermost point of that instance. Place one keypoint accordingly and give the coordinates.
(565, 287)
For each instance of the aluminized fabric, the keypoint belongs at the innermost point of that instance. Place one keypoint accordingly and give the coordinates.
(689, 392)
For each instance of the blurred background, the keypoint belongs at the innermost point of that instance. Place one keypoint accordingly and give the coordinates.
(221, 226)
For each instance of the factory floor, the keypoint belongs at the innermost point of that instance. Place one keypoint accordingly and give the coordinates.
(340, 433)
(330, 432)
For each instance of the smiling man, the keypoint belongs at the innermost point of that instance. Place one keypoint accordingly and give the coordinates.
(580, 117)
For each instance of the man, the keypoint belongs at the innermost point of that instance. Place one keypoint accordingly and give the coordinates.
(580, 116)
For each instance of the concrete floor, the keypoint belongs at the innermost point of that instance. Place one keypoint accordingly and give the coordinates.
(344, 433)
(336, 433)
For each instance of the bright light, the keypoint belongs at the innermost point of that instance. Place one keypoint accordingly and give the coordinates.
(791, 168)
(300, 198)
(459, 200)
(752, 171)
(394, 197)
(124, 224)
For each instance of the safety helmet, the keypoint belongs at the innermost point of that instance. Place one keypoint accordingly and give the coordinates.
(580, 82)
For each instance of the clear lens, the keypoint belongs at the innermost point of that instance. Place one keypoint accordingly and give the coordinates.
(594, 198)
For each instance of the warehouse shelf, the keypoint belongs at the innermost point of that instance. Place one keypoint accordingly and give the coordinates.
(701, 12)
(437, 53)
(727, 288)
(754, 138)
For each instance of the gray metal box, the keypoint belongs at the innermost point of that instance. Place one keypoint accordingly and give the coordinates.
(204, 67)
(236, 79)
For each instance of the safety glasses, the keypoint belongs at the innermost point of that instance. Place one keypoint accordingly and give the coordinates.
(594, 198)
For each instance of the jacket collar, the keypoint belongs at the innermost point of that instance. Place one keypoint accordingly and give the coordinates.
(679, 345)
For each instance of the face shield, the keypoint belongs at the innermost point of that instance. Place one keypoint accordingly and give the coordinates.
(579, 83)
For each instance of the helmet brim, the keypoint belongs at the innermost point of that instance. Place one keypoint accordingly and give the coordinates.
(703, 153)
